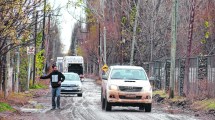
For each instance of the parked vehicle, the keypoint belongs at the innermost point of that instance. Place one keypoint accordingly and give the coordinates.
(74, 64)
(126, 86)
(72, 84)
(59, 63)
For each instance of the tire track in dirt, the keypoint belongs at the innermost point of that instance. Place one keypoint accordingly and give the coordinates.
(83, 106)
(88, 107)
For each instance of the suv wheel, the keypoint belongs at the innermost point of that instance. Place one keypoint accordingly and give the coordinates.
(80, 95)
(148, 107)
(101, 94)
(107, 105)
(141, 107)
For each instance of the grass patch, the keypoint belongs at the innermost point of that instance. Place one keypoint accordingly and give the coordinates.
(178, 98)
(161, 93)
(38, 86)
(20, 95)
(205, 104)
(166, 95)
(5, 107)
(16, 98)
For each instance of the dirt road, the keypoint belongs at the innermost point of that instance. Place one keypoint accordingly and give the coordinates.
(88, 107)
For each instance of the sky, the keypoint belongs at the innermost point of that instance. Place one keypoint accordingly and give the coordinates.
(67, 20)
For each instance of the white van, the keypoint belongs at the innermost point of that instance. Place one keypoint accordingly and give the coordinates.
(74, 64)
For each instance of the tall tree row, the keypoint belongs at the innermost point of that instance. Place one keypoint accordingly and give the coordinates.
(18, 23)
(15, 31)
(153, 31)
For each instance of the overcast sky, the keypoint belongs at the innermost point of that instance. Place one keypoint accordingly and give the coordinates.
(66, 21)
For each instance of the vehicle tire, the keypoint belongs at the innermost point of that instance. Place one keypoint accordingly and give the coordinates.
(148, 107)
(141, 107)
(103, 103)
(101, 94)
(80, 95)
(107, 105)
(102, 100)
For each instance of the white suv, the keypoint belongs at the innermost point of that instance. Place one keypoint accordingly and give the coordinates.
(126, 86)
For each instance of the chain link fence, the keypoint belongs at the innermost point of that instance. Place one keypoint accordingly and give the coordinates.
(201, 75)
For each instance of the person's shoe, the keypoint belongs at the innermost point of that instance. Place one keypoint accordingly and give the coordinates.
(59, 108)
(53, 108)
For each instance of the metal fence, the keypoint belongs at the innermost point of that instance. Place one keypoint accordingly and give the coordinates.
(201, 75)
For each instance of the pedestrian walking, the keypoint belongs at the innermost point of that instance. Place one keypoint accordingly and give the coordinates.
(56, 78)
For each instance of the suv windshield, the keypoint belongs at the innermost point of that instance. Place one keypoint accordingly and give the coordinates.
(130, 74)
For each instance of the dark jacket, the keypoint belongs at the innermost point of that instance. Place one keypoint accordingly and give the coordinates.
(55, 76)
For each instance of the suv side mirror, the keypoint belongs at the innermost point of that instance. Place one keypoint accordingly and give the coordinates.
(104, 77)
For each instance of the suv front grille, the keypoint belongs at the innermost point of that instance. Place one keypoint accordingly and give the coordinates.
(130, 89)
(125, 97)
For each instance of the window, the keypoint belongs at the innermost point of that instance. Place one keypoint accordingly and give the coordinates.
(71, 77)
(131, 74)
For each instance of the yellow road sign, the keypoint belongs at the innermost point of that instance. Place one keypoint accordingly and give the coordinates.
(105, 67)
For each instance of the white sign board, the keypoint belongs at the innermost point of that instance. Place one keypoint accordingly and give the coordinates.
(30, 50)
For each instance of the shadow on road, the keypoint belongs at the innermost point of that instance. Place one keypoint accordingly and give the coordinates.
(63, 95)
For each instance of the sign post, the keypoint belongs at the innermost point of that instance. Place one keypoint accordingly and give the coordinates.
(30, 52)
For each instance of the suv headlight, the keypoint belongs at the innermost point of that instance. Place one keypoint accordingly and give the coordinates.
(147, 89)
(79, 87)
(113, 87)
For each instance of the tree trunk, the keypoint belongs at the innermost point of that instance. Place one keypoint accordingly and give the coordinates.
(189, 45)
(10, 78)
(16, 84)
(1, 78)
(94, 68)
(134, 33)
(9, 72)
(7, 82)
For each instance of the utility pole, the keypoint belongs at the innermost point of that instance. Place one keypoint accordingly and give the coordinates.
(105, 56)
(35, 47)
(29, 70)
(151, 57)
(121, 37)
(173, 48)
(44, 36)
(53, 46)
(47, 41)
(44, 24)
(134, 33)
(99, 53)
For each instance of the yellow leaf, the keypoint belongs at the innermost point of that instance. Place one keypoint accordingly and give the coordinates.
(207, 35)
(206, 24)
(203, 41)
